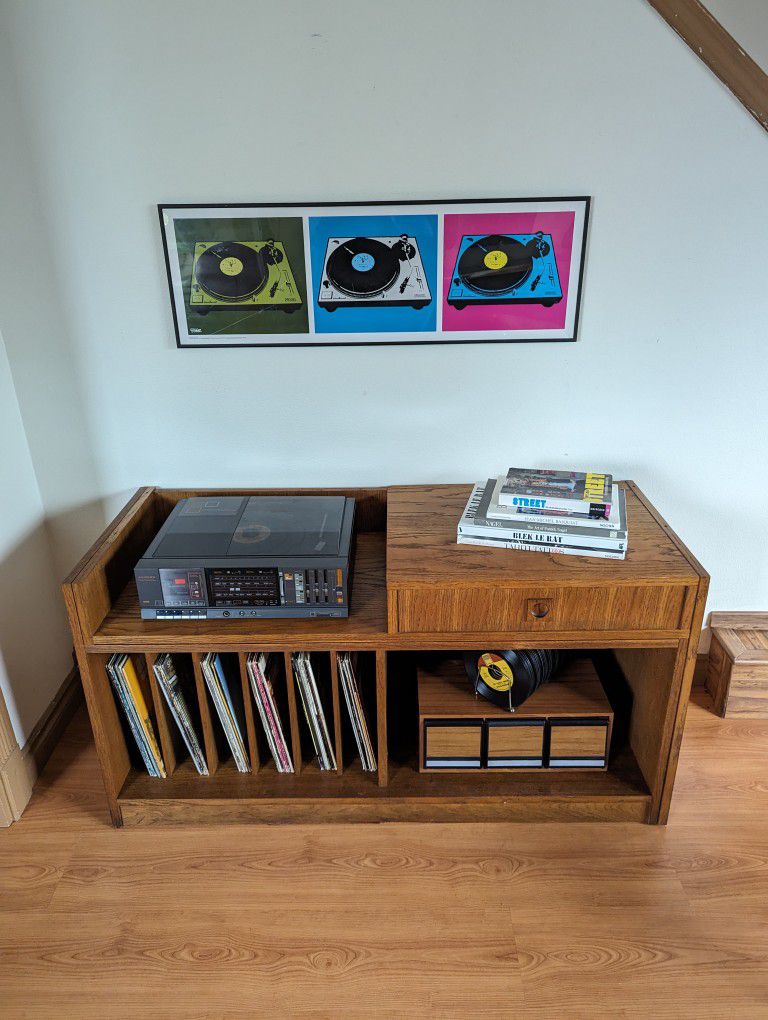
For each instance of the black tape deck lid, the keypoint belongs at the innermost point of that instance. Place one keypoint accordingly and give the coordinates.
(240, 526)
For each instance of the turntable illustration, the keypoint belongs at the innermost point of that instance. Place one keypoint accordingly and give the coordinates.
(373, 271)
(242, 274)
(505, 269)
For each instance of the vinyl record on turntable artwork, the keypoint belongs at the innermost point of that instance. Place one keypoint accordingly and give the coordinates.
(363, 266)
(230, 271)
(495, 264)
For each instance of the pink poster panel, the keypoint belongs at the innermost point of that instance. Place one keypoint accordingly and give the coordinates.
(509, 312)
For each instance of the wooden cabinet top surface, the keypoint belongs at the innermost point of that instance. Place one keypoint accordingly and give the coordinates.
(417, 550)
(422, 549)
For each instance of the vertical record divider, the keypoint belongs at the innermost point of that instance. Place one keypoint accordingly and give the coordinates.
(381, 716)
(165, 722)
(336, 710)
(293, 713)
(209, 735)
(250, 724)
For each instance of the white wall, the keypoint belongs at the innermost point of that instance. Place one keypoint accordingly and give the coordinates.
(31, 671)
(50, 505)
(235, 100)
(747, 21)
(35, 304)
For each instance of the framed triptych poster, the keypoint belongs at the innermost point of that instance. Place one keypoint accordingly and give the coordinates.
(485, 271)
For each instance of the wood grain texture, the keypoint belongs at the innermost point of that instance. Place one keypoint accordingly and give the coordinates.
(123, 629)
(739, 621)
(677, 707)
(445, 691)
(722, 54)
(594, 608)
(737, 670)
(454, 741)
(515, 741)
(578, 741)
(649, 675)
(382, 747)
(576, 694)
(652, 602)
(422, 550)
(354, 922)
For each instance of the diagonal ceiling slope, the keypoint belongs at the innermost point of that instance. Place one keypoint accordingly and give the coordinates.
(720, 52)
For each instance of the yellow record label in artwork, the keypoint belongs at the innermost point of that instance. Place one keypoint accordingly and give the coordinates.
(496, 259)
(231, 266)
(495, 671)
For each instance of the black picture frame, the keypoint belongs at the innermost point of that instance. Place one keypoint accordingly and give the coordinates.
(304, 210)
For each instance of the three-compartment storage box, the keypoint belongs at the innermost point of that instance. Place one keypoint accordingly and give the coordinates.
(566, 724)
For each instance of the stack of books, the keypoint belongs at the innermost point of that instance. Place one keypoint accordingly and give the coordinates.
(568, 512)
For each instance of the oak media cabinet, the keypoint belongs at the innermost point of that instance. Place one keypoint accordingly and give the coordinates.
(414, 591)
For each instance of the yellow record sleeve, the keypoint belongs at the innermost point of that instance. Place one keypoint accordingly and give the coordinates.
(135, 687)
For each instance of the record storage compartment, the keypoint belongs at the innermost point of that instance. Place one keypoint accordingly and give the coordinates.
(643, 655)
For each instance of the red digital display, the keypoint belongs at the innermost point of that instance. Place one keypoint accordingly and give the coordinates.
(179, 580)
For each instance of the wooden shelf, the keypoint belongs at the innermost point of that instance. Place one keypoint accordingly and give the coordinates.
(123, 628)
(620, 794)
(414, 592)
(421, 530)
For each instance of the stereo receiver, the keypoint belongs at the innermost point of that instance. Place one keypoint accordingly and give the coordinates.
(235, 557)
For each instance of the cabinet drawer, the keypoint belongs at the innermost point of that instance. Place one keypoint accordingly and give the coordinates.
(515, 744)
(453, 744)
(490, 609)
(578, 743)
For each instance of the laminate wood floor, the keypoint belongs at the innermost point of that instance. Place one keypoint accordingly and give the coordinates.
(412, 920)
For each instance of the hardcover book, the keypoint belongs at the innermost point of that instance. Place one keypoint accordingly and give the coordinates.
(481, 519)
(567, 550)
(588, 492)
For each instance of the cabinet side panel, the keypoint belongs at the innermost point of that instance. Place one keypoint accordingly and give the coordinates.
(679, 702)
(107, 728)
(718, 678)
(650, 675)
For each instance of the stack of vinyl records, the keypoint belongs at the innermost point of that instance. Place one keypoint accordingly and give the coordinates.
(356, 712)
(313, 711)
(168, 682)
(133, 695)
(508, 678)
(259, 667)
(228, 701)
(566, 512)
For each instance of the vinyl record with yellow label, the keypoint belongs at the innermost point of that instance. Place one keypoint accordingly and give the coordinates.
(507, 678)
(495, 671)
